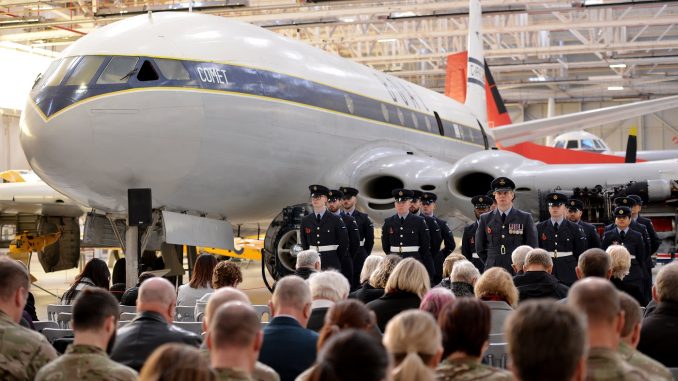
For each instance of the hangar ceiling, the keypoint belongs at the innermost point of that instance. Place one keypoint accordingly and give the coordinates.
(576, 50)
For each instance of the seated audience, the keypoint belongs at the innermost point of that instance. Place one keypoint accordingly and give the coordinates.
(448, 265)
(537, 281)
(200, 283)
(152, 326)
(598, 300)
(518, 258)
(95, 274)
(351, 355)
(547, 341)
(375, 287)
(405, 287)
(435, 299)
(495, 287)
(94, 321)
(234, 340)
(288, 347)
(620, 266)
(372, 262)
(118, 277)
(594, 262)
(176, 362)
(129, 298)
(465, 326)
(262, 372)
(413, 339)
(659, 331)
(225, 274)
(22, 351)
(630, 336)
(327, 288)
(308, 262)
(464, 275)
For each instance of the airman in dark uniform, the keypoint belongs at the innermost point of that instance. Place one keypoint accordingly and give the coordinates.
(630, 203)
(564, 240)
(333, 205)
(652, 242)
(481, 205)
(365, 231)
(428, 206)
(504, 229)
(655, 242)
(432, 223)
(622, 234)
(574, 212)
(405, 234)
(324, 232)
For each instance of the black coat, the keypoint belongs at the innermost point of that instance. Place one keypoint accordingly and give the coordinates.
(367, 293)
(330, 231)
(137, 340)
(654, 239)
(462, 289)
(317, 318)
(569, 238)
(591, 233)
(659, 334)
(631, 289)
(288, 347)
(468, 246)
(392, 304)
(413, 232)
(304, 272)
(539, 284)
(495, 241)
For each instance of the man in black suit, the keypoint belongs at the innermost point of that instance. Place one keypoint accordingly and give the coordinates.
(506, 228)
(481, 205)
(325, 233)
(365, 231)
(288, 347)
(621, 234)
(405, 234)
(575, 209)
(659, 331)
(564, 240)
(537, 282)
(428, 207)
(327, 288)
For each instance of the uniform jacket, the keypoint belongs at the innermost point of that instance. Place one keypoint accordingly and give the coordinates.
(539, 284)
(496, 241)
(225, 374)
(137, 340)
(468, 245)
(330, 231)
(413, 232)
(85, 363)
(288, 347)
(391, 304)
(592, 236)
(633, 242)
(659, 333)
(365, 228)
(434, 232)
(353, 234)
(469, 369)
(569, 238)
(651, 367)
(22, 351)
(448, 237)
(640, 229)
(440, 254)
(605, 364)
(654, 239)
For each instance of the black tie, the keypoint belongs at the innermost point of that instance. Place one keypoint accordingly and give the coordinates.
(402, 220)
(503, 218)
(555, 226)
(622, 234)
(317, 217)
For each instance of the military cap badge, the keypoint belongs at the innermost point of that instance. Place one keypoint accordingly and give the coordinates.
(400, 193)
(480, 199)
(502, 182)
(572, 203)
(555, 197)
(315, 188)
(621, 211)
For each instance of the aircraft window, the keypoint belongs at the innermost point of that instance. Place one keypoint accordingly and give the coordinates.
(560, 144)
(85, 70)
(384, 112)
(572, 144)
(147, 72)
(599, 144)
(172, 69)
(428, 123)
(587, 144)
(60, 72)
(118, 70)
(7, 232)
(43, 77)
(415, 120)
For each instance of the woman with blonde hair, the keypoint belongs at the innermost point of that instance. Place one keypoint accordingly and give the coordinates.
(414, 340)
(408, 283)
(374, 287)
(625, 277)
(176, 362)
(448, 265)
(495, 287)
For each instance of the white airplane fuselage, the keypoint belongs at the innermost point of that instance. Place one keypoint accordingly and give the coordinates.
(260, 118)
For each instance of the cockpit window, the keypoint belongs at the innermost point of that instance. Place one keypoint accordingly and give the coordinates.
(85, 70)
(60, 72)
(147, 72)
(172, 69)
(587, 144)
(560, 144)
(573, 144)
(599, 144)
(118, 70)
(43, 77)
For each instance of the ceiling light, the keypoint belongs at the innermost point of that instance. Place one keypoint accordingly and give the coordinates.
(618, 66)
(605, 78)
(387, 40)
(615, 88)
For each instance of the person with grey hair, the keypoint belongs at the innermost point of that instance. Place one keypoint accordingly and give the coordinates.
(594, 262)
(152, 327)
(537, 281)
(327, 288)
(308, 262)
(464, 275)
(659, 331)
(518, 258)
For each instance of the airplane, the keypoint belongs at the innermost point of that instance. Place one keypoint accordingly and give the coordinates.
(226, 122)
(586, 141)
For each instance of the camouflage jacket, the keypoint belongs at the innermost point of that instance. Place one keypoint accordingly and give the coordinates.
(85, 363)
(262, 372)
(655, 370)
(606, 364)
(22, 351)
(468, 369)
(226, 374)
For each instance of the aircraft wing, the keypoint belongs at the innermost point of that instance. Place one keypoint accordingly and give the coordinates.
(527, 131)
(36, 198)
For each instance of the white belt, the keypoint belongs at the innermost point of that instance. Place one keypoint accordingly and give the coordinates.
(633, 257)
(558, 254)
(475, 255)
(362, 243)
(404, 249)
(320, 249)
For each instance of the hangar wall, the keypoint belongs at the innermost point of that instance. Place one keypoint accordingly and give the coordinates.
(11, 154)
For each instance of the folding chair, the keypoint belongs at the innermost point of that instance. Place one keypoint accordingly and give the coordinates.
(130, 309)
(40, 325)
(192, 326)
(262, 310)
(496, 355)
(185, 313)
(128, 315)
(54, 309)
(56, 333)
(64, 320)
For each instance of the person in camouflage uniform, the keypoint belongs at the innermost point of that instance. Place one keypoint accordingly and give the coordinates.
(465, 325)
(95, 317)
(599, 301)
(22, 351)
(630, 336)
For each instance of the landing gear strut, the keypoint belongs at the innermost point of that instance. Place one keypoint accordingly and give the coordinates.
(283, 241)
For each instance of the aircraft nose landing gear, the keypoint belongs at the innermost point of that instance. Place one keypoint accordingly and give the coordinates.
(282, 242)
